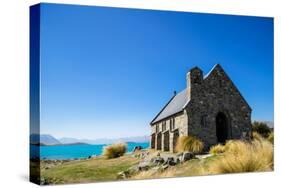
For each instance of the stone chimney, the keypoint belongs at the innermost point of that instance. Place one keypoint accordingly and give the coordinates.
(194, 79)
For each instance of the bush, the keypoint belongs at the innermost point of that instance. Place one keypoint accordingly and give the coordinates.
(270, 138)
(242, 156)
(114, 150)
(217, 149)
(189, 143)
(261, 128)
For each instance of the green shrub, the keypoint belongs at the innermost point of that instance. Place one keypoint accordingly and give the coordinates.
(189, 143)
(114, 150)
(242, 156)
(217, 149)
(261, 128)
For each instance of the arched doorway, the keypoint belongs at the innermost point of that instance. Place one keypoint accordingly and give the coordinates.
(222, 127)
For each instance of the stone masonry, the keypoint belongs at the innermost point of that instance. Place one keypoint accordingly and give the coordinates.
(211, 108)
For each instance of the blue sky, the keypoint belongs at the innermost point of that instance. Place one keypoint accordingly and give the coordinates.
(106, 72)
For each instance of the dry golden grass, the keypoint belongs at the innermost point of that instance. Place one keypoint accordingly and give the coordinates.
(270, 138)
(217, 149)
(244, 157)
(236, 157)
(189, 143)
(257, 136)
(114, 150)
(193, 167)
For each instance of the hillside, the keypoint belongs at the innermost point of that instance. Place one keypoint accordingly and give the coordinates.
(43, 139)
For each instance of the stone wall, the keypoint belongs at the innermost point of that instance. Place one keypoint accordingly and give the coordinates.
(217, 93)
(180, 125)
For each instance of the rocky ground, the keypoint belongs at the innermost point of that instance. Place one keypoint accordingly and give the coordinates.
(141, 164)
(158, 162)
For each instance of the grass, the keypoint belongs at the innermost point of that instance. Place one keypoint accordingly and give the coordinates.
(194, 167)
(235, 157)
(242, 156)
(238, 157)
(257, 136)
(270, 138)
(189, 143)
(92, 170)
(217, 149)
(114, 150)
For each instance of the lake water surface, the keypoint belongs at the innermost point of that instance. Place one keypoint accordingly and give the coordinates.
(75, 151)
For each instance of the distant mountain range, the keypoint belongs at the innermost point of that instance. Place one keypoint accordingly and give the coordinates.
(45, 139)
(138, 139)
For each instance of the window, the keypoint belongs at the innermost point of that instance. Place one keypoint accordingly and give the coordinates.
(204, 120)
(164, 126)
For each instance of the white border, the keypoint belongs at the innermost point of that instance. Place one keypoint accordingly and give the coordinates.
(14, 128)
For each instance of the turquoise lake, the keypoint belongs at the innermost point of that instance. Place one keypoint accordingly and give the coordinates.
(79, 151)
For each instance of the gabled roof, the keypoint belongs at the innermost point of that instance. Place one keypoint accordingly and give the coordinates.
(175, 105)
(178, 102)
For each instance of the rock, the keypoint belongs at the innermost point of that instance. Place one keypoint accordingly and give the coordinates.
(164, 167)
(145, 165)
(133, 169)
(156, 168)
(186, 156)
(157, 160)
(137, 148)
(170, 161)
(203, 156)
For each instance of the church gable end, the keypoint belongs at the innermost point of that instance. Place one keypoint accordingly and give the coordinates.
(211, 108)
(218, 99)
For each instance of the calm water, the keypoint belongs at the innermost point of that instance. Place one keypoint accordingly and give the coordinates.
(75, 151)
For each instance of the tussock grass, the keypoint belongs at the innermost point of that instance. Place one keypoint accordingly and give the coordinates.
(244, 157)
(217, 149)
(189, 143)
(236, 156)
(270, 138)
(114, 150)
(257, 136)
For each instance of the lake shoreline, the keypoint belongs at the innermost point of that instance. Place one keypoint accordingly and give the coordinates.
(74, 152)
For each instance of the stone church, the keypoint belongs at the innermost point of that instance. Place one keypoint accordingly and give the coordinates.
(211, 108)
